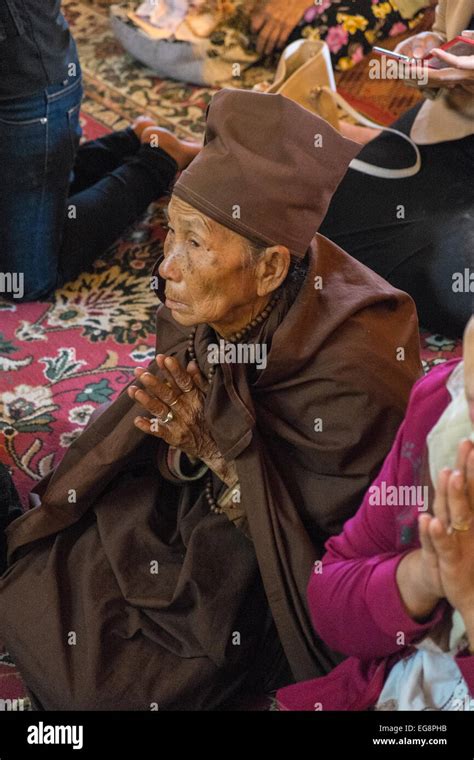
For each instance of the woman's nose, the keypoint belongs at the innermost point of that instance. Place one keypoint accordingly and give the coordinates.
(169, 268)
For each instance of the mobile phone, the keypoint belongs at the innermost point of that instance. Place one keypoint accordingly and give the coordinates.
(457, 46)
(392, 54)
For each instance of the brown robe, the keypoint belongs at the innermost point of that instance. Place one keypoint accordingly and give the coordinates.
(88, 624)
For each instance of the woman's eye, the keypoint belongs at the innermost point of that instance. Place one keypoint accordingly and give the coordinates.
(194, 243)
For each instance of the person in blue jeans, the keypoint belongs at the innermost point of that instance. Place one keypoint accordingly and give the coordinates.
(62, 205)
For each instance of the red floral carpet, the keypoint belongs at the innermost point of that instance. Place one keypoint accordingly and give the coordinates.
(59, 361)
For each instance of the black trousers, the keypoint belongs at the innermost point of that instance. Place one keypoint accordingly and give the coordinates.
(115, 180)
(416, 232)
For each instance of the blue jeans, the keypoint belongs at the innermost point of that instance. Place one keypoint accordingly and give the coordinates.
(61, 205)
(39, 137)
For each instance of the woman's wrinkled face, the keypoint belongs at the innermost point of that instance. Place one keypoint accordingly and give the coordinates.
(207, 272)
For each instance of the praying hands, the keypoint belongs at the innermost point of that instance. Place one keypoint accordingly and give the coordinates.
(177, 406)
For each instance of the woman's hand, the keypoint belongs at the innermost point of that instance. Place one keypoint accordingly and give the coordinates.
(452, 533)
(421, 575)
(419, 45)
(274, 21)
(180, 400)
(460, 71)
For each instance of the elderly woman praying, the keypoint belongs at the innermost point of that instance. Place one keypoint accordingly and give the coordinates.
(206, 490)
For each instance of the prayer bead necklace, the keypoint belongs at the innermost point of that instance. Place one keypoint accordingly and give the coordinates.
(237, 336)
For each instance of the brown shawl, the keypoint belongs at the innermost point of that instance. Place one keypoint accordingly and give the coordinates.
(332, 354)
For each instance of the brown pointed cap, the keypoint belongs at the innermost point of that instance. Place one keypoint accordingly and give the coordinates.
(268, 169)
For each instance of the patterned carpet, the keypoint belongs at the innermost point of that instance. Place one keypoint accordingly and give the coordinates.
(60, 360)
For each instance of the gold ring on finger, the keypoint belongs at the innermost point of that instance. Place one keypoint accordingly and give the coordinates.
(461, 527)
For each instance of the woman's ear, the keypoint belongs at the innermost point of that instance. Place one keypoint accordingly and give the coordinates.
(468, 356)
(272, 269)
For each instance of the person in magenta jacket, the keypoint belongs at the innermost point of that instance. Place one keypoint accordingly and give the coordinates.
(399, 579)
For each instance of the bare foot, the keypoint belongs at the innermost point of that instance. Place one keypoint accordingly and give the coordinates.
(141, 123)
(182, 151)
(362, 135)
